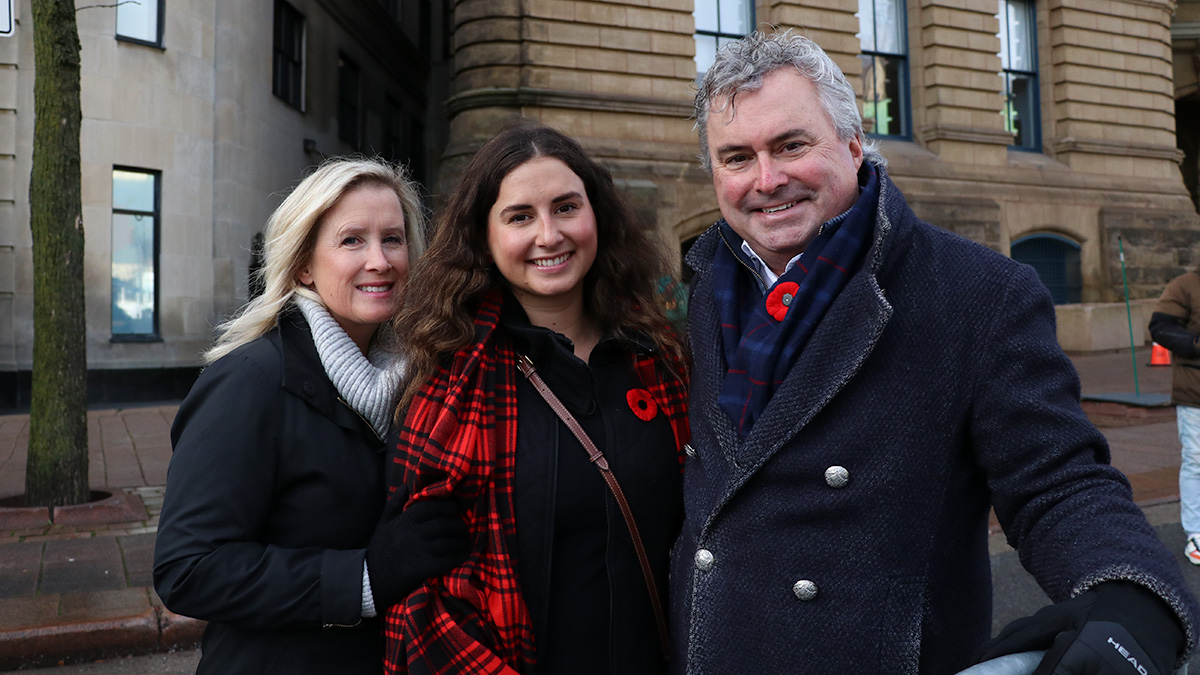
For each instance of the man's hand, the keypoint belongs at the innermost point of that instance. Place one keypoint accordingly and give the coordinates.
(1117, 628)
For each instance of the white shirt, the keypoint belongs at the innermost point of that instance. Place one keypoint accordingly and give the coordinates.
(768, 277)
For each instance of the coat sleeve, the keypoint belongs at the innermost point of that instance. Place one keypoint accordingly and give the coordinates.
(1067, 511)
(1173, 313)
(209, 560)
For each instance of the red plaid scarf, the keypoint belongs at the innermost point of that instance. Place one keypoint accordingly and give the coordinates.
(459, 439)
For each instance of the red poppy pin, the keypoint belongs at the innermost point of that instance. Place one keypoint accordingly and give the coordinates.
(780, 298)
(641, 404)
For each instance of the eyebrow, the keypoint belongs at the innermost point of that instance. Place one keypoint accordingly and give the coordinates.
(523, 207)
(778, 138)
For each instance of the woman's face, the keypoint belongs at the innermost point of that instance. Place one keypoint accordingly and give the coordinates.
(542, 232)
(359, 260)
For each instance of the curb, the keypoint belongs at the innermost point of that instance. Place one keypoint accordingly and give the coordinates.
(60, 639)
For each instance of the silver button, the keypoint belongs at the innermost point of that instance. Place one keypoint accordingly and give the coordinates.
(704, 560)
(689, 450)
(805, 590)
(786, 299)
(837, 476)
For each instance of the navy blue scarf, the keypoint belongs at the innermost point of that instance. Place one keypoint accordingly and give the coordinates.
(764, 333)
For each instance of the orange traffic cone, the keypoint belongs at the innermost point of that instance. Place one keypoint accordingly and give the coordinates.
(1159, 356)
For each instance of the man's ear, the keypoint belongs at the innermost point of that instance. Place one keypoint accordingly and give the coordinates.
(856, 151)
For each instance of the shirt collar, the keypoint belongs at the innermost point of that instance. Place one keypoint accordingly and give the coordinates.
(768, 277)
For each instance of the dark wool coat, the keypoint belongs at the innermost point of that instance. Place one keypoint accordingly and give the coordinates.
(274, 489)
(936, 384)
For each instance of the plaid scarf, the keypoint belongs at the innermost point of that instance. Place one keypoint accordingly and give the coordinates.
(459, 440)
(764, 333)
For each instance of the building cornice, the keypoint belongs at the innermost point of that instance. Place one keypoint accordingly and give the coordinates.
(1185, 30)
(947, 132)
(1098, 147)
(1167, 6)
(526, 97)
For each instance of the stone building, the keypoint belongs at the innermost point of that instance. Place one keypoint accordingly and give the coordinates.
(198, 115)
(1044, 129)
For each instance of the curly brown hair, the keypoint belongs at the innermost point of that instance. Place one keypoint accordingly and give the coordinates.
(455, 273)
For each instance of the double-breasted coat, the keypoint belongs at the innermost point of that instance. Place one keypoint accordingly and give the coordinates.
(847, 532)
(274, 489)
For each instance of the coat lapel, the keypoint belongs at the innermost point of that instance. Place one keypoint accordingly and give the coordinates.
(836, 351)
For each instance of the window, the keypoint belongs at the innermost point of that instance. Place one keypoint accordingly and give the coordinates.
(287, 79)
(392, 7)
(1056, 261)
(349, 95)
(393, 130)
(883, 36)
(135, 254)
(140, 21)
(1018, 58)
(718, 22)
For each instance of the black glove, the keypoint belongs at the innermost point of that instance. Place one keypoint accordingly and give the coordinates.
(411, 545)
(1117, 628)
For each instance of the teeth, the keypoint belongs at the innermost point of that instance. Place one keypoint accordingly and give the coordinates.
(777, 209)
(550, 262)
(375, 289)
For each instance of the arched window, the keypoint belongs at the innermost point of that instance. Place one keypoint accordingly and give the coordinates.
(1056, 260)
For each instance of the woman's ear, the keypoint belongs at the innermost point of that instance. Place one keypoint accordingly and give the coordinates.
(304, 276)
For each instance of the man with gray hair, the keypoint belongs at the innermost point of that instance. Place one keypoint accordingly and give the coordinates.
(865, 386)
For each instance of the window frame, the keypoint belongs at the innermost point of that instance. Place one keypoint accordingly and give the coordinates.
(158, 30)
(155, 334)
(719, 34)
(904, 84)
(1035, 104)
(281, 59)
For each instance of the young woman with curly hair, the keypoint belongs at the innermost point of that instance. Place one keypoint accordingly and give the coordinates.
(537, 258)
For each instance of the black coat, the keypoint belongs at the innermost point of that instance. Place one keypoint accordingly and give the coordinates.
(578, 567)
(848, 532)
(273, 492)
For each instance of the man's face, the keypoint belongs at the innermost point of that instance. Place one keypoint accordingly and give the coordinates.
(779, 169)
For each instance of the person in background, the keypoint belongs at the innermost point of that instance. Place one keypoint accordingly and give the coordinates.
(866, 385)
(538, 269)
(1175, 324)
(276, 481)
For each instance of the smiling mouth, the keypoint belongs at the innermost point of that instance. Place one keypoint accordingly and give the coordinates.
(376, 289)
(551, 262)
(777, 209)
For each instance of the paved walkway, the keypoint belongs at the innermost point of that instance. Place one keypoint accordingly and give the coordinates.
(81, 591)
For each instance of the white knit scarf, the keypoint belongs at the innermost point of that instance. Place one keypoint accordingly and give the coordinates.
(371, 383)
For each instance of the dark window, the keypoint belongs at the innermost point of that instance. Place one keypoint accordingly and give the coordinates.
(1018, 58)
(135, 216)
(349, 97)
(287, 80)
(1056, 260)
(393, 131)
(718, 22)
(883, 38)
(140, 21)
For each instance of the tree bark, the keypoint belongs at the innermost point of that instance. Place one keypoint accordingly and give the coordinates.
(57, 467)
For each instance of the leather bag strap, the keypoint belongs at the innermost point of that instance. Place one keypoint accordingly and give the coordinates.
(601, 463)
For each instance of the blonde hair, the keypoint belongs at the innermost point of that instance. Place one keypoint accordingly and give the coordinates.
(291, 231)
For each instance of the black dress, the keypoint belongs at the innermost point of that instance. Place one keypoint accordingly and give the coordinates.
(576, 562)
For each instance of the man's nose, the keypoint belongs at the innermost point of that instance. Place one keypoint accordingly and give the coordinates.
(770, 175)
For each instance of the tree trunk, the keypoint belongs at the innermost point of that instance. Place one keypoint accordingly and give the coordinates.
(57, 468)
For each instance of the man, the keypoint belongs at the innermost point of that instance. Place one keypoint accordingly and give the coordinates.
(1175, 324)
(864, 385)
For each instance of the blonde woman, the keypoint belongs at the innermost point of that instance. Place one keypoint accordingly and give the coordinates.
(276, 483)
